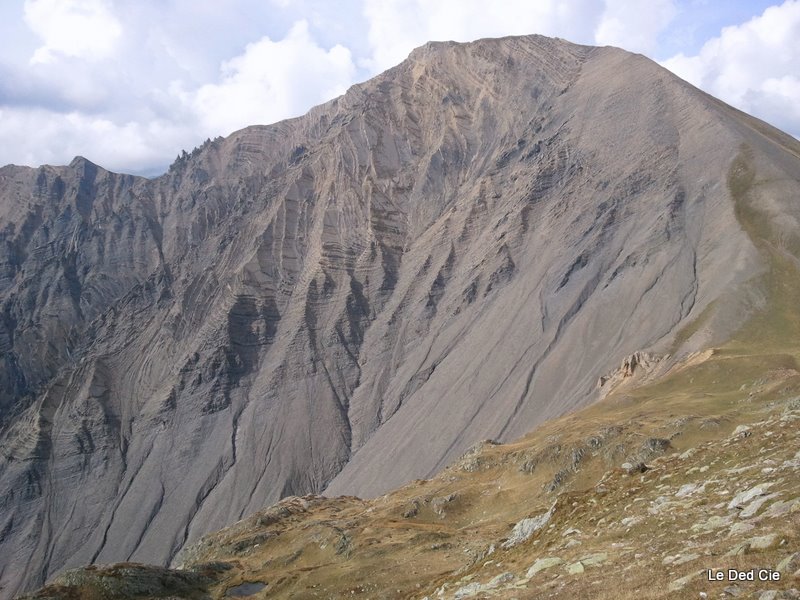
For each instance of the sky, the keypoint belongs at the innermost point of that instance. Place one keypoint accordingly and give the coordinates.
(130, 83)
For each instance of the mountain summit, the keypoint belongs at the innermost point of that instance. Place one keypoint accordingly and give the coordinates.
(461, 248)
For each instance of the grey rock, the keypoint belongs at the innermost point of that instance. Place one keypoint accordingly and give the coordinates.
(631, 521)
(685, 559)
(763, 542)
(543, 563)
(500, 579)
(790, 564)
(525, 528)
(575, 568)
(634, 468)
(412, 510)
(755, 505)
(740, 528)
(679, 584)
(690, 489)
(468, 591)
(594, 559)
(780, 508)
(653, 446)
(473, 589)
(438, 504)
(743, 498)
(713, 522)
(741, 432)
(135, 580)
(739, 549)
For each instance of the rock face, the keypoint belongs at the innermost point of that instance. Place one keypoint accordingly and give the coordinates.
(638, 365)
(526, 528)
(455, 250)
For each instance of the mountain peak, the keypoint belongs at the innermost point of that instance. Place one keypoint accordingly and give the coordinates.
(80, 162)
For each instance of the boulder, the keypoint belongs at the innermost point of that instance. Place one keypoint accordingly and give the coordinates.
(526, 528)
(543, 563)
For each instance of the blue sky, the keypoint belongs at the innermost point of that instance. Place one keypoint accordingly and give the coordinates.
(130, 83)
(697, 21)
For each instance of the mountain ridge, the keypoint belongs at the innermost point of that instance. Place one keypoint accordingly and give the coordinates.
(348, 300)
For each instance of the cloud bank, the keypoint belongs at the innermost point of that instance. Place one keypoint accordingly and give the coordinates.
(129, 85)
(753, 66)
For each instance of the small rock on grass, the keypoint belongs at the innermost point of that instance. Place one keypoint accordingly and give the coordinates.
(594, 559)
(790, 564)
(754, 506)
(742, 498)
(500, 579)
(634, 468)
(740, 528)
(741, 432)
(780, 508)
(763, 542)
(543, 563)
(685, 558)
(575, 568)
(739, 549)
(713, 522)
(526, 528)
(681, 583)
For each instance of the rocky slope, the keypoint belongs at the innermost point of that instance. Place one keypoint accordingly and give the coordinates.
(457, 249)
(607, 503)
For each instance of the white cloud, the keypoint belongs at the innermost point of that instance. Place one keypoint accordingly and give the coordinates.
(140, 128)
(45, 137)
(79, 28)
(634, 25)
(753, 66)
(398, 26)
(271, 81)
(129, 84)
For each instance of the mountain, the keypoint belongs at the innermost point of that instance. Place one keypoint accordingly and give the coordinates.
(462, 248)
(606, 503)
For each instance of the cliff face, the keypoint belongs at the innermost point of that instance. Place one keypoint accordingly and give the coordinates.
(457, 249)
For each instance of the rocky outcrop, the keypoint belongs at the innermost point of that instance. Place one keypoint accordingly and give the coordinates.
(524, 529)
(455, 250)
(639, 365)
